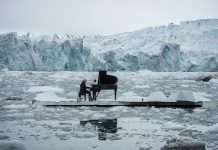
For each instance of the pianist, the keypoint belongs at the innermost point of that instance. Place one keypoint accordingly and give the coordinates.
(84, 90)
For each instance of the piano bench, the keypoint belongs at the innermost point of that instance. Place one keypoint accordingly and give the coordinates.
(84, 96)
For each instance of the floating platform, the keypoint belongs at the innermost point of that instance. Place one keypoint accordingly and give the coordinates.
(178, 104)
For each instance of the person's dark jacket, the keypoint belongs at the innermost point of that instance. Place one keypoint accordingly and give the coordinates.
(82, 88)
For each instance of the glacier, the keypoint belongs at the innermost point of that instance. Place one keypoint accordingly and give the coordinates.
(190, 46)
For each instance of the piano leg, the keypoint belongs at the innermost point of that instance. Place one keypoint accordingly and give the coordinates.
(94, 95)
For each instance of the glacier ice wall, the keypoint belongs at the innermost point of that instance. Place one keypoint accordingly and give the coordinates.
(190, 46)
(21, 53)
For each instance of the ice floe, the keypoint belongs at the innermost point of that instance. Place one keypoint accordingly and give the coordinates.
(187, 96)
(182, 96)
(157, 96)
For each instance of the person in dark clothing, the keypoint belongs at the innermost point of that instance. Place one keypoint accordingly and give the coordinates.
(83, 89)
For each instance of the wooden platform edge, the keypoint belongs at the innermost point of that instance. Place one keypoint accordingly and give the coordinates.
(179, 104)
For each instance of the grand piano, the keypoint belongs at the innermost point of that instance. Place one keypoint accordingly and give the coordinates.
(105, 82)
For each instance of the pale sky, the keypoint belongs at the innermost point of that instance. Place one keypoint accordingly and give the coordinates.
(103, 17)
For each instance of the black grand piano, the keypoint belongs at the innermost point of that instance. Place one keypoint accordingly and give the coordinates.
(105, 82)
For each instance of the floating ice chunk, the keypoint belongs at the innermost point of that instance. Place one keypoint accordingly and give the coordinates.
(198, 97)
(113, 137)
(84, 134)
(187, 96)
(213, 80)
(65, 123)
(98, 116)
(50, 96)
(182, 96)
(63, 136)
(129, 96)
(173, 126)
(213, 128)
(142, 86)
(184, 85)
(11, 145)
(44, 89)
(16, 106)
(157, 96)
(183, 144)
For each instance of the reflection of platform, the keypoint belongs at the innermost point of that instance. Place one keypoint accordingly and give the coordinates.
(178, 104)
(104, 126)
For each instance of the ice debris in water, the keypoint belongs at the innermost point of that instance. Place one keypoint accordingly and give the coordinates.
(183, 144)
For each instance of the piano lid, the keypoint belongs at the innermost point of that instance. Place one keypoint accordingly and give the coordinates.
(103, 78)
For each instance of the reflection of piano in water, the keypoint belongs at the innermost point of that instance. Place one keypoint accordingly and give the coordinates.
(105, 82)
(104, 126)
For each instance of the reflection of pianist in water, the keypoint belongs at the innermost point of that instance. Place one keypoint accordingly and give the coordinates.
(105, 82)
(104, 126)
